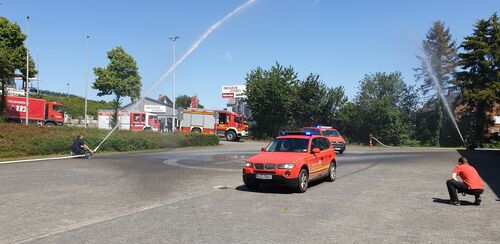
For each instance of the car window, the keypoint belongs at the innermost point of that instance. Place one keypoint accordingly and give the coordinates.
(315, 144)
(288, 145)
(331, 133)
(325, 143)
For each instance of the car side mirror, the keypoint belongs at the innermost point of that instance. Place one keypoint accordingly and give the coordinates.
(263, 149)
(315, 150)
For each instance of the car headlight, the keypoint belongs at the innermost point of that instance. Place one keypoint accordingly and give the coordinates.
(286, 166)
(248, 164)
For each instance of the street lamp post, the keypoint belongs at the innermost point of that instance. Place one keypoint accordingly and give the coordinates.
(27, 68)
(174, 38)
(67, 94)
(86, 77)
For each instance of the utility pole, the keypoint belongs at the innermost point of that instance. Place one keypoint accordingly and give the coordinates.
(67, 95)
(86, 77)
(174, 38)
(38, 67)
(27, 68)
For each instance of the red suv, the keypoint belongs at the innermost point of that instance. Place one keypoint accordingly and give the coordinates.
(293, 159)
(332, 134)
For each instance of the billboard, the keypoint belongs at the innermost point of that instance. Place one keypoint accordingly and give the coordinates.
(233, 91)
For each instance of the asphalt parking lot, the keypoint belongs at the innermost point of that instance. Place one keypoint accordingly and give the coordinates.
(381, 195)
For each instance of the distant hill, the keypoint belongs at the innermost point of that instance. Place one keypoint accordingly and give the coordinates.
(75, 105)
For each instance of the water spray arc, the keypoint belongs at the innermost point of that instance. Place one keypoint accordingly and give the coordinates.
(433, 77)
(193, 47)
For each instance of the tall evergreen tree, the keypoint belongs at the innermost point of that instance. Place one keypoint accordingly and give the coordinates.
(440, 59)
(480, 76)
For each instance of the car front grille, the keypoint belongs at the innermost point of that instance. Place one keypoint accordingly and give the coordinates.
(270, 166)
(265, 166)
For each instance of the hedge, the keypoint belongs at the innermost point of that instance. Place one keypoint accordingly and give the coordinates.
(21, 141)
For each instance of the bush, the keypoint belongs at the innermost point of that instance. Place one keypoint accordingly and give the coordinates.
(21, 141)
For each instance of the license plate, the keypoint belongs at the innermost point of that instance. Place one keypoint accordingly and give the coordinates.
(264, 177)
(337, 148)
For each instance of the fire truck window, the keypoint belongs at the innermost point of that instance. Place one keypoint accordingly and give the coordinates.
(58, 108)
(137, 117)
(237, 119)
(143, 117)
(223, 118)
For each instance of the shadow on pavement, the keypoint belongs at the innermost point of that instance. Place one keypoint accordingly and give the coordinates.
(447, 201)
(487, 164)
(277, 189)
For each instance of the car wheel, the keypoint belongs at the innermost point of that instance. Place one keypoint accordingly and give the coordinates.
(230, 136)
(303, 181)
(341, 151)
(332, 172)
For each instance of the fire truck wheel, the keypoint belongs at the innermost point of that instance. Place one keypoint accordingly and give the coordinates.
(230, 135)
(196, 130)
(49, 124)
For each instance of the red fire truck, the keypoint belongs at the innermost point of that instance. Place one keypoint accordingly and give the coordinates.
(228, 124)
(144, 121)
(39, 111)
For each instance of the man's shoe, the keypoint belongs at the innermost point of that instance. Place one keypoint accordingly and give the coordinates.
(456, 203)
(478, 201)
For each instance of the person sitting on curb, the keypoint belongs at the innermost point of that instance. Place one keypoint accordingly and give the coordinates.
(79, 147)
(471, 184)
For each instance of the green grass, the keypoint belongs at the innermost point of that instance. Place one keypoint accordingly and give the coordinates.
(25, 141)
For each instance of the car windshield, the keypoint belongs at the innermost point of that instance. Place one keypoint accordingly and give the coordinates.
(288, 145)
(331, 133)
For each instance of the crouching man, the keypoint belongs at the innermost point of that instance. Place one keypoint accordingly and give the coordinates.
(471, 184)
(80, 148)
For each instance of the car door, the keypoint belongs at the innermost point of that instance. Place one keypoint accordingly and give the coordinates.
(327, 153)
(315, 159)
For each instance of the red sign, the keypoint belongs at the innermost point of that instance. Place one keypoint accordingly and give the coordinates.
(227, 95)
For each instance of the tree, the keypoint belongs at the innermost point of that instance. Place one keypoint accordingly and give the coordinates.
(12, 56)
(384, 106)
(120, 77)
(309, 101)
(440, 59)
(271, 97)
(479, 79)
(184, 101)
(333, 101)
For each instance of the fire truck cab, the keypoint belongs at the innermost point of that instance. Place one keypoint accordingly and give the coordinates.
(140, 121)
(223, 123)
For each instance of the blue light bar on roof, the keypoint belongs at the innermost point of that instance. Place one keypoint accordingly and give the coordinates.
(307, 133)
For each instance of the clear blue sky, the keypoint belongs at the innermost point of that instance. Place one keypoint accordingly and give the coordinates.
(339, 40)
